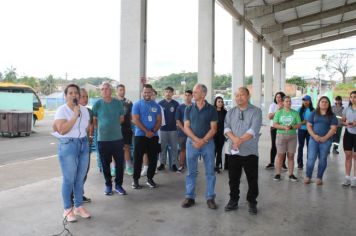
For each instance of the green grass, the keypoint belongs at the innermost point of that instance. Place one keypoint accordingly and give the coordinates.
(344, 90)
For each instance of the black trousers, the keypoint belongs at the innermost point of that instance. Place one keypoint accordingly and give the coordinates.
(107, 151)
(219, 141)
(337, 137)
(250, 166)
(273, 152)
(150, 146)
(303, 136)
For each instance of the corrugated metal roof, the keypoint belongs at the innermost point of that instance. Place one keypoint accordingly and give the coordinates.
(289, 24)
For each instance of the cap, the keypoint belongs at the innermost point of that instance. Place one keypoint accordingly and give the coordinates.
(306, 98)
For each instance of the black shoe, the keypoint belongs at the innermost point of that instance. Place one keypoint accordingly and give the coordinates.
(151, 183)
(86, 200)
(277, 177)
(232, 205)
(188, 202)
(217, 170)
(269, 166)
(211, 204)
(174, 168)
(161, 167)
(252, 209)
(284, 167)
(293, 178)
(135, 184)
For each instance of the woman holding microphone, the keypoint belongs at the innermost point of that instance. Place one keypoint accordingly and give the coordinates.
(70, 124)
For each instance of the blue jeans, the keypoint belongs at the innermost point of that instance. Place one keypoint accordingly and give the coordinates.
(317, 150)
(207, 152)
(73, 154)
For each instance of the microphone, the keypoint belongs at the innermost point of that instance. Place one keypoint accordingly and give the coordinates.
(75, 101)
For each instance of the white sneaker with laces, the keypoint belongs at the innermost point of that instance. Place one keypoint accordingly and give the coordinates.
(353, 183)
(346, 182)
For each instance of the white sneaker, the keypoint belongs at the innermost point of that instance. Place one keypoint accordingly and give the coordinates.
(346, 182)
(353, 183)
(144, 172)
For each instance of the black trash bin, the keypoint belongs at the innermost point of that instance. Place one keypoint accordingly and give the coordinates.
(15, 123)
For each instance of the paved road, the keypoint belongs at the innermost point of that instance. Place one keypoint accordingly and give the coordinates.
(38, 145)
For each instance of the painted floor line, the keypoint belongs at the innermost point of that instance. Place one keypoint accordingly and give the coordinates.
(36, 159)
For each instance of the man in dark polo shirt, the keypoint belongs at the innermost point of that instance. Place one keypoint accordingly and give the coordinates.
(200, 125)
(126, 128)
(169, 137)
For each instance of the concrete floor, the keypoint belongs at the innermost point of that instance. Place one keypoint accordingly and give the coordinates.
(285, 208)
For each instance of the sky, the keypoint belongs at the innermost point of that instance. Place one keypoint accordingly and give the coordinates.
(81, 38)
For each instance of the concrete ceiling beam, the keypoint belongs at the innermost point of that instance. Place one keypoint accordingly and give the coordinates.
(310, 18)
(229, 7)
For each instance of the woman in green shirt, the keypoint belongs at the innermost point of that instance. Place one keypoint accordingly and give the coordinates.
(286, 121)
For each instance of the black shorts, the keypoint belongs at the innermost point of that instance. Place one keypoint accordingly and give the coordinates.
(127, 137)
(349, 141)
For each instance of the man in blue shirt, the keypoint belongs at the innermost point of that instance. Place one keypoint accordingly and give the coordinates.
(146, 115)
(200, 125)
(169, 131)
(108, 115)
(182, 137)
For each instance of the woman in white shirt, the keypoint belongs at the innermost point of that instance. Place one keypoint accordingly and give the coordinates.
(273, 108)
(70, 124)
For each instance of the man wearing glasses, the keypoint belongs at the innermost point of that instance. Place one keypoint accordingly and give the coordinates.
(242, 127)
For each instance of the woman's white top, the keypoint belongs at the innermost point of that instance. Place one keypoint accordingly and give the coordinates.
(272, 109)
(79, 130)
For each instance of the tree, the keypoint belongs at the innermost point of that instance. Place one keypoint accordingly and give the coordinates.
(297, 80)
(339, 62)
(10, 75)
(30, 81)
(48, 85)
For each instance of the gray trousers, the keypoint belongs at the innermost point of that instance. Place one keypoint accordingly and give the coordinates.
(169, 138)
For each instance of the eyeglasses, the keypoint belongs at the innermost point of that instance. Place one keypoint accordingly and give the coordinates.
(241, 115)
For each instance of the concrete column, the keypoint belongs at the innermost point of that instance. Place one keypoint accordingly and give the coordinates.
(133, 46)
(238, 50)
(283, 75)
(257, 73)
(276, 75)
(268, 79)
(206, 45)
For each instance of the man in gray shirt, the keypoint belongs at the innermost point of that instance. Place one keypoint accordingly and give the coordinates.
(242, 127)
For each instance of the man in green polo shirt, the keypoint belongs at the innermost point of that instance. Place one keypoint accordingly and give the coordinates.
(108, 116)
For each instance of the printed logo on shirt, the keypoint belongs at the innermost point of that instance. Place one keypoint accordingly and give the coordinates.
(154, 109)
(286, 120)
(172, 109)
